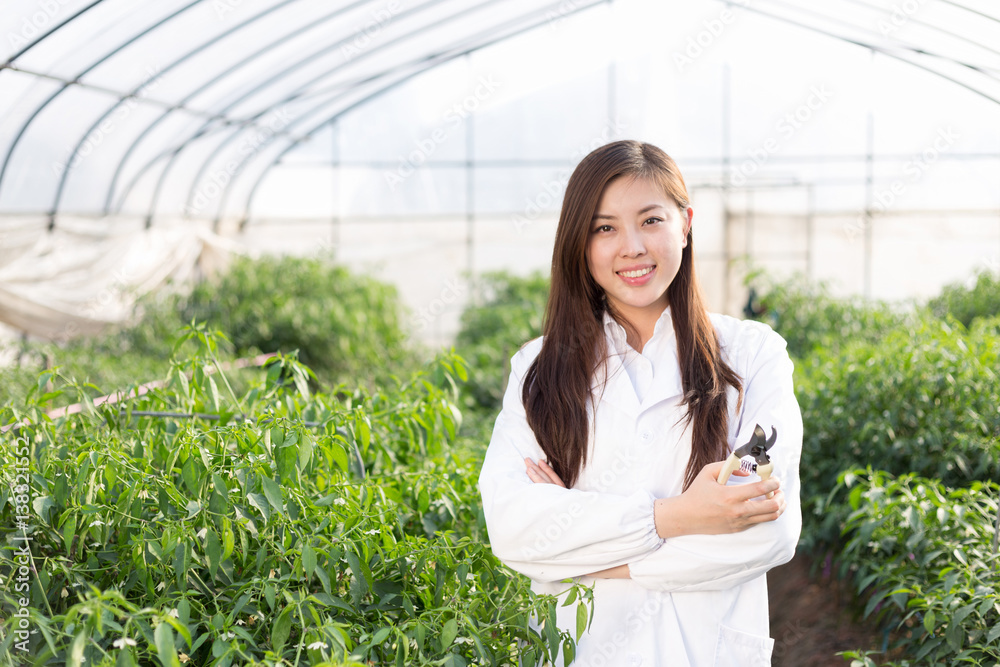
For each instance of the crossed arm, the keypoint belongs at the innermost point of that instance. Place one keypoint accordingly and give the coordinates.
(705, 508)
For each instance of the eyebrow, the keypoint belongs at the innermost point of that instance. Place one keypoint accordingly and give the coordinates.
(645, 209)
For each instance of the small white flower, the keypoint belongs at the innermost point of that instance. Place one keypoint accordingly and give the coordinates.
(64, 593)
(463, 640)
(123, 642)
(371, 532)
(98, 522)
(173, 612)
(316, 646)
(160, 586)
(240, 621)
(339, 501)
(226, 636)
(202, 533)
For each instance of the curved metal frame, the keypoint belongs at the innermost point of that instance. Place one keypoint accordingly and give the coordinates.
(336, 116)
(384, 80)
(87, 70)
(220, 115)
(175, 152)
(176, 63)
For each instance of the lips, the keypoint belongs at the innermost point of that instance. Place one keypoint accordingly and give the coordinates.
(637, 276)
(637, 272)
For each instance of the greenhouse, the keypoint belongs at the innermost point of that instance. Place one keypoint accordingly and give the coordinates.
(267, 269)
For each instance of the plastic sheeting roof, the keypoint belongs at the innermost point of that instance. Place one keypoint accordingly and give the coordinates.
(182, 107)
(114, 105)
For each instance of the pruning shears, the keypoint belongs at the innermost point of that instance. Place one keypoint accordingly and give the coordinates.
(756, 447)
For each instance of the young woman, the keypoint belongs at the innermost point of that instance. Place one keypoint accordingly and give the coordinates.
(604, 460)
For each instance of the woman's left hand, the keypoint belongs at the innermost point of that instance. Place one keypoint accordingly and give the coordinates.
(541, 473)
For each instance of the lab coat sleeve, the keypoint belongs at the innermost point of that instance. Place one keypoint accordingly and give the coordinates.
(545, 531)
(716, 562)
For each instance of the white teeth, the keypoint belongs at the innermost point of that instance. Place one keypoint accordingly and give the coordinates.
(635, 274)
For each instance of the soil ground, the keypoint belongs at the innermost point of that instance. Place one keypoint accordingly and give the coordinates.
(811, 619)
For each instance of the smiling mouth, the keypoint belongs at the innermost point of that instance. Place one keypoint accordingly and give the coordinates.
(636, 274)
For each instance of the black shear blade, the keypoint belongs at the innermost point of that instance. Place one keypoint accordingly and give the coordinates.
(758, 445)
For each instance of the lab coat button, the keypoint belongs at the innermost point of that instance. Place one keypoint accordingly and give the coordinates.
(646, 435)
(635, 660)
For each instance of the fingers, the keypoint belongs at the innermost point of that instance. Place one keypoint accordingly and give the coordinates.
(767, 510)
(542, 473)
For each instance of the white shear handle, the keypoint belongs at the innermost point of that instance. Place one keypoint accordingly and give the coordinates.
(733, 462)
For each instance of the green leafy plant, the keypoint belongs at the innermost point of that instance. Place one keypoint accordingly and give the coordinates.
(811, 319)
(280, 525)
(923, 400)
(966, 303)
(510, 315)
(922, 556)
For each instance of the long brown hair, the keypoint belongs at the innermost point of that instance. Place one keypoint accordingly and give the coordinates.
(558, 383)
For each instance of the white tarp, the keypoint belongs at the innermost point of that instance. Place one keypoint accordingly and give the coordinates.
(87, 273)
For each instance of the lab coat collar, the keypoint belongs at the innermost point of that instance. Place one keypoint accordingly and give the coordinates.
(618, 389)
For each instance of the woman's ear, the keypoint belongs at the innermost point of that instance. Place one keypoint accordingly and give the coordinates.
(688, 213)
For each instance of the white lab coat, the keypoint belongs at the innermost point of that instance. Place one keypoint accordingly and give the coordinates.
(694, 600)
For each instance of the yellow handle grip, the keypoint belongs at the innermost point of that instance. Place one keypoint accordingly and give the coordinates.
(732, 463)
(765, 474)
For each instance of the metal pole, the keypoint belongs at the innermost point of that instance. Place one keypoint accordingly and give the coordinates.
(869, 182)
(470, 196)
(726, 214)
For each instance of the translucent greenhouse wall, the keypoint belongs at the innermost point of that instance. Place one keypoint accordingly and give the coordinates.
(424, 142)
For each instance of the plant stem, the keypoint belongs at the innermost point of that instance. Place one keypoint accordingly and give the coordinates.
(996, 534)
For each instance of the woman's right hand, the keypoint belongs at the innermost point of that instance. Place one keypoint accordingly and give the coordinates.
(710, 508)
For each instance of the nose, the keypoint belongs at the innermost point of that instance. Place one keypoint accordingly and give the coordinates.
(632, 245)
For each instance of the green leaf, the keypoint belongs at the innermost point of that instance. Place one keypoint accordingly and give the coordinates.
(76, 650)
(308, 561)
(110, 475)
(581, 619)
(363, 430)
(165, 646)
(228, 539)
(569, 652)
(929, 619)
(282, 628)
(220, 485)
(269, 596)
(552, 630)
(260, 502)
(339, 455)
(213, 394)
(380, 636)
(448, 633)
(42, 505)
(213, 549)
(191, 474)
(68, 532)
(272, 491)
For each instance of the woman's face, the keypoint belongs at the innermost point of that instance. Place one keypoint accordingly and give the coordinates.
(634, 247)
